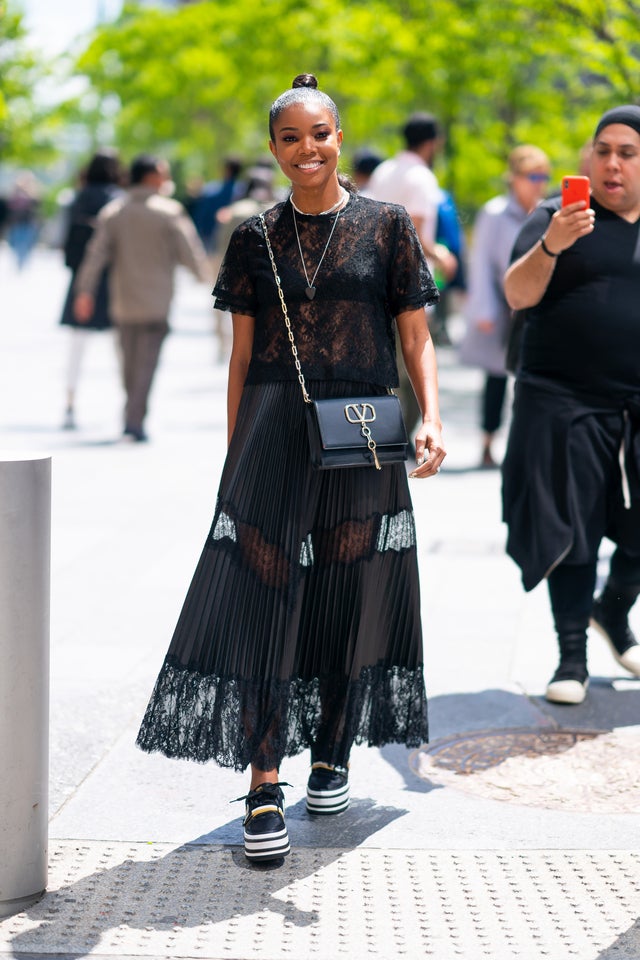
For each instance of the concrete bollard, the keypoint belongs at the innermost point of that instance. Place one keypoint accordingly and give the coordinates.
(25, 568)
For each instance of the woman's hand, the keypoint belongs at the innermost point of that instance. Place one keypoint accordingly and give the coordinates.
(83, 307)
(430, 451)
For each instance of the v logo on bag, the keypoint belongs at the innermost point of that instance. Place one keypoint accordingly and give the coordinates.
(360, 412)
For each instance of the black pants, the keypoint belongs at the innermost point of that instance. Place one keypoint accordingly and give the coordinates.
(140, 346)
(571, 588)
(495, 388)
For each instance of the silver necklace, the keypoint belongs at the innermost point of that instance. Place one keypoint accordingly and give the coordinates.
(323, 213)
(310, 290)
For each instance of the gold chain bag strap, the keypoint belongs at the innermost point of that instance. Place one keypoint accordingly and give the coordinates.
(346, 432)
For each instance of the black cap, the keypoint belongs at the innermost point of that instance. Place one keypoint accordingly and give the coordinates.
(629, 115)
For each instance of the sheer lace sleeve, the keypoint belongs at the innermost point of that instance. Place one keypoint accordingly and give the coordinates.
(411, 285)
(235, 288)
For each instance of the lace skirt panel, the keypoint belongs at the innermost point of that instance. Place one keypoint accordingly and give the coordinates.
(302, 622)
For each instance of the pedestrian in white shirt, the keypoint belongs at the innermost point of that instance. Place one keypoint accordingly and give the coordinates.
(408, 179)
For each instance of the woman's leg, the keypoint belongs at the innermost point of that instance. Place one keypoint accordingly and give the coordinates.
(259, 776)
(328, 785)
(265, 832)
(77, 348)
(332, 745)
(495, 388)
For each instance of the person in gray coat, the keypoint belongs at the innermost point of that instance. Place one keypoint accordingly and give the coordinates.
(487, 311)
(142, 237)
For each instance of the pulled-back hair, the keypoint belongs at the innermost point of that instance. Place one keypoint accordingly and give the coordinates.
(304, 89)
(104, 167)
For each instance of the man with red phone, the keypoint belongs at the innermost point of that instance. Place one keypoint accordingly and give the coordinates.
(571, 474)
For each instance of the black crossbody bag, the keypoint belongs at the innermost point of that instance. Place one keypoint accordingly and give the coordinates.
(347, 431)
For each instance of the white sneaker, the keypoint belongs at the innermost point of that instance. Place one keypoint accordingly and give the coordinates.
(630, 659)
(566, 691)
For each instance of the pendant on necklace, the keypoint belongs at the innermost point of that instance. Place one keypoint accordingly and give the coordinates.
(310, 292)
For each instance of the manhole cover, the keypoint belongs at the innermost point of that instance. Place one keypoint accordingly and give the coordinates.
(589, 771)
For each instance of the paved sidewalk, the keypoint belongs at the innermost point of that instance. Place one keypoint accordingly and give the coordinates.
(515, 833)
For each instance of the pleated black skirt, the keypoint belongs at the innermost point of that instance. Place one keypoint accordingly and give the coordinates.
(301, 627)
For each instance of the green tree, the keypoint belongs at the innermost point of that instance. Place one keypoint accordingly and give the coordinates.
(24, 127)
(196, 82)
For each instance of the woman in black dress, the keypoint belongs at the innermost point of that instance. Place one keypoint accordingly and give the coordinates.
(100, 185)
(301, 627)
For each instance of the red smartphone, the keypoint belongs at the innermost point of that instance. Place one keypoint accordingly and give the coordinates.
(574, 189)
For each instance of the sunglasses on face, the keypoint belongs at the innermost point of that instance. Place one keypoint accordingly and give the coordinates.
(538, 177)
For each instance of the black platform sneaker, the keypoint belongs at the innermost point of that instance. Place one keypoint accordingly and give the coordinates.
(265, 832)
(327, 789)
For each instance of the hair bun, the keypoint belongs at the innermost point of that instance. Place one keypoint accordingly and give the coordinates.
(305, 80)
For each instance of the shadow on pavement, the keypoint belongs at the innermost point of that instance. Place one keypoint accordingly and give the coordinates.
(610, 703)
(626, 945)
(199, 883)
(362, 820)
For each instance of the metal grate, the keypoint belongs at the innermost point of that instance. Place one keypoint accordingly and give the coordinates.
(142, 900)
(586, 771)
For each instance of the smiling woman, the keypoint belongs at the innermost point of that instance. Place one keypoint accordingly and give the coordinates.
(302, 624)
(305, 140)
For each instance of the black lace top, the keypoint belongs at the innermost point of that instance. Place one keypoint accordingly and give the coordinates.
(374, 269)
